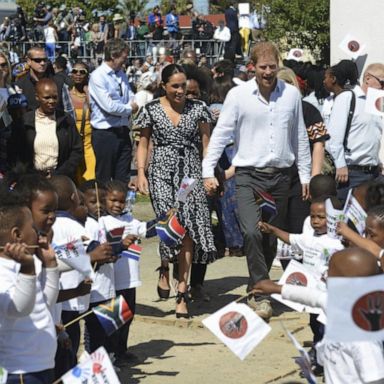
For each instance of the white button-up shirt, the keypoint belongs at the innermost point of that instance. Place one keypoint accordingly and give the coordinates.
(364, 135)
(110, 97)
(266, 134)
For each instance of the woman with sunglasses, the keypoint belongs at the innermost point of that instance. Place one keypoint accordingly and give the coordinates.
(5, 72)
(80, 100)
(355, 134)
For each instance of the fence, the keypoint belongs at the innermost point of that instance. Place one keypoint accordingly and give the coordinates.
(212, 49)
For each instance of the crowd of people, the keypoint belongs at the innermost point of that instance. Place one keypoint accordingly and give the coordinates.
(71, 31)
(77, 139)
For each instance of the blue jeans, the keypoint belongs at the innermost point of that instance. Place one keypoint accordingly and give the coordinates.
(355, 178)
(42, 377)
(50, 50)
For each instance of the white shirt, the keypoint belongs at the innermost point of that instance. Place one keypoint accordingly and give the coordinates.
(344, 363)
(22, 338)
(222, 34)
(110, 97)
(103, 287)
(66, 230)
(316, 249)
(127, 270)
(49, 33)
(364, 136)
(266, 134)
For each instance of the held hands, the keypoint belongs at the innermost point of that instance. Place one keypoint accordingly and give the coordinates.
(211, 184)
(341, 175)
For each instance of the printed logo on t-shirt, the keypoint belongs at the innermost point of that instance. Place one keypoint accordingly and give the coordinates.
(233, 325)
(297, 278)
(368, 311)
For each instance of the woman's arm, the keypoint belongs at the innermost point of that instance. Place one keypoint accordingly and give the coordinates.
(141, 154)
(205, 133)
(317, 158)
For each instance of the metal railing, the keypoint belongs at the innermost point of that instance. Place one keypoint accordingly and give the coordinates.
(212, 49)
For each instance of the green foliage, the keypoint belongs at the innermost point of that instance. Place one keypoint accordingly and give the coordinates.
(126, 6)
(299, 23)
(181, 6)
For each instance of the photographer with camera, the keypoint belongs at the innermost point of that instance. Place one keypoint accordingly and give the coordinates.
(42, 16)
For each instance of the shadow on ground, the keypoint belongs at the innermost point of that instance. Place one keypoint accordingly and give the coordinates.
(154, 349)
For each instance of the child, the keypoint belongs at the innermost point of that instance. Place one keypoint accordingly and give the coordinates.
(68, 227)
(354, 362)
(374, 241)
(103, 287)
(127, 276)
(316, 248)
(29, 286)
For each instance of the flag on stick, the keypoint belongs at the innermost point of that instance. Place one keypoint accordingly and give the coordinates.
(354, 212)
(113, 314)
(355, 309)
(186, 187)
(266, 202)
(133, 252)
(170, 230)
(238, 327)
(74, 255)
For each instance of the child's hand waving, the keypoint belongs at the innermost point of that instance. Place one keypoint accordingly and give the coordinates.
(266, 287)
(19, 253)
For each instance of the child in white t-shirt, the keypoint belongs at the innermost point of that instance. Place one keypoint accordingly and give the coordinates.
(127, 269)
(344, 363)
(29, 286)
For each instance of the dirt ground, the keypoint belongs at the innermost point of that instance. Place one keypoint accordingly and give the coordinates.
(183, 351)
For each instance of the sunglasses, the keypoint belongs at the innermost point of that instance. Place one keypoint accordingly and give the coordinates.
(3, 65)
(379, 80)
(39, 59)
(79, 71)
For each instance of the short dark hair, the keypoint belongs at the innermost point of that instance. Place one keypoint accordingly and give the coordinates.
(61, 62)
(378, 214)
(114, 48)
(116, 185)
(322, 185)
(336, 203)
(91, 185)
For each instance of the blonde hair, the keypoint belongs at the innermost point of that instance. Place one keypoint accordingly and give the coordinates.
(377, 69)
(286, 74)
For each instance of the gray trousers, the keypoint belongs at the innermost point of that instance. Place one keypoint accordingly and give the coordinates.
(259, 248)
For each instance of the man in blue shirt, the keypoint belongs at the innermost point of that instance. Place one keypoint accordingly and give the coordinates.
(111, 102)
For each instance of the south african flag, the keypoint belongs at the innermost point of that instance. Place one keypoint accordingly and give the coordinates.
(170, 230)
(113, 314)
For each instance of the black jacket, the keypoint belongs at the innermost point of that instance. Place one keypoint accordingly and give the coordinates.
(71, 152)
(27, 84)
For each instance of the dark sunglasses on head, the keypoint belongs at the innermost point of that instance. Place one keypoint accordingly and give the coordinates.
(79, 71)
(3, 65)
(39, 59)
(379, 80)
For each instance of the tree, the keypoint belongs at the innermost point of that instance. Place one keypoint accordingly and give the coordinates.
(125, 7)
(299, 23)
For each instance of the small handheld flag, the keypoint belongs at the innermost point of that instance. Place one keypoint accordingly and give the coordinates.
(133, 252)
(170, 230)
(186, 187)
(113, 314)
(266, 202)
(115, 235)
(74, 255)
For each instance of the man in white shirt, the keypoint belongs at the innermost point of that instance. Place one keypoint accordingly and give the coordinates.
(222, 35)
(356, 158)
(111, 101)
(264, 117)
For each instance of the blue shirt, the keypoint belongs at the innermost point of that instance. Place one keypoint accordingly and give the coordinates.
(110, 97)
(172, 22)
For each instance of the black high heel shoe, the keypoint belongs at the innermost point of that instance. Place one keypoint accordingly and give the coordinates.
(163, 293)
(182, 296)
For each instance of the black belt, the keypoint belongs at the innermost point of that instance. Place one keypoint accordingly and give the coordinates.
(269, 170)
(364, 168)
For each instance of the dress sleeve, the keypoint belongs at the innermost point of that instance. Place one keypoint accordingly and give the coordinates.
(143, 119)
(314, 124)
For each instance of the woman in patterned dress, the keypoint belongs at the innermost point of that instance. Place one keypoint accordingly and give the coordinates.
(179, 128)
